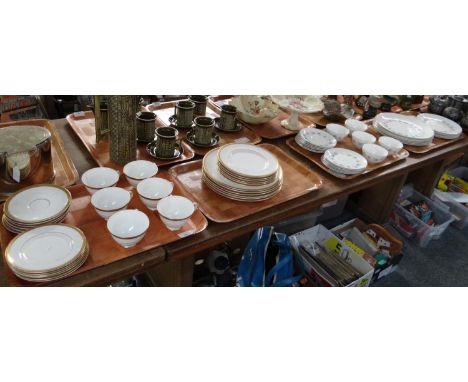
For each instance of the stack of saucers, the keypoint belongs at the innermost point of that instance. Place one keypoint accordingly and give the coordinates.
(344, 161)
(315, 140)
(443, 127)
(406, 128)
(242, 172)
(35, 206)
(47, 253)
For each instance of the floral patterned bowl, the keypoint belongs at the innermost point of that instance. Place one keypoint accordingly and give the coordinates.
(255, 109)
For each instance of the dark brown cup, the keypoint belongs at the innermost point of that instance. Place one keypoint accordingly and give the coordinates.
(166, 141)
(227, 120)
(203, 130)
(145, 126)
(183, 111)
(200, 102)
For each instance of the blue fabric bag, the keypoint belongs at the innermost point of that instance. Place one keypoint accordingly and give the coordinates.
(267, 261)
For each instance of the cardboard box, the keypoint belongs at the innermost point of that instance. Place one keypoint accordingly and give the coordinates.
(320, 234)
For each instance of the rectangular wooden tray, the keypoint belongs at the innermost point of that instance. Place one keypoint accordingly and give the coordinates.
(347, 144)
(437, 143)
(103, 249)
(83, 126)
(166, 110)
(65, 171)
(298, 181)
(269, 130)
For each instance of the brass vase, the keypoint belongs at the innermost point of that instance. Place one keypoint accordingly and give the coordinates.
(123, 129)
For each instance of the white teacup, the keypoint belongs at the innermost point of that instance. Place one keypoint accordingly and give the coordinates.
(110, 200)
(175, 211)
(138, 170)
(98, 178)
(128, 227)
(152, 190)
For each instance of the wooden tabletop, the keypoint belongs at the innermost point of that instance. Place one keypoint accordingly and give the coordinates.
(217, 233)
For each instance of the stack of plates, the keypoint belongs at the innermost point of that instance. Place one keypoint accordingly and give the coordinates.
(242, 172)
(47, 253)
(344, 161)
(443, 127)
(406, 128)
(35, 206)
(315, 140)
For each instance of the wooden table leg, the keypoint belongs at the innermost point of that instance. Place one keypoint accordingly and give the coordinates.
(374, 204)
(173, 273)
(425, 179)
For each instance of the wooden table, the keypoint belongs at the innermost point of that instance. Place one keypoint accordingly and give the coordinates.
(374, 196)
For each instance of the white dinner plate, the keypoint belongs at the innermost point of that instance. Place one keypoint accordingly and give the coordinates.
(45, 248)
(317, 138)
(37, 203)
(248, 160)
(443, 127)
(345, 161)
(211, 169)
(406, 126)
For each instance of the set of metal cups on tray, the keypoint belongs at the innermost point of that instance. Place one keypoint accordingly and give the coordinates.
(191, 114)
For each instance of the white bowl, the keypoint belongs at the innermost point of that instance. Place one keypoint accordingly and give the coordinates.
(392, 145)
(152, 190)
(338, 131)
(360, 138)
(98, 178)
(138, 170)
(355, 125)
(109, 200)
(374, 153)
(128, 227)
(175, 211)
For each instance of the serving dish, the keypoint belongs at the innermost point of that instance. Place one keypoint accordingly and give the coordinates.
(58, 169)
(297, 104)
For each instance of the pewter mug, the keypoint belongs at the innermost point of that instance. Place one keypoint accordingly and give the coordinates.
(203, 130)
(183, 111)
(166, 141)
(145, 126)
(200, 104)
(228, 119)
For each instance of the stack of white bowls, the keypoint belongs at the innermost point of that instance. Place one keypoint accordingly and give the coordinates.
(242, 172)
(315, 140)
(36, 206)
(443, 127)
(409, 130)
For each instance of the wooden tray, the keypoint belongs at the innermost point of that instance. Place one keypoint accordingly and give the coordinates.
(65, 171)
(245, 135)
(269, 130)
(347, 144)
(103, 249)
(298, 180)
(83, 126)
(437, 143)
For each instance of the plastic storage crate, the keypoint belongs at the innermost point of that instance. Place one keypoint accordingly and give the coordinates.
(298, 223)
(332, 209)
(412, 227)
(458, 210)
